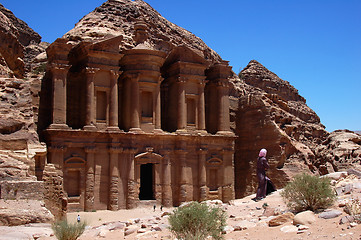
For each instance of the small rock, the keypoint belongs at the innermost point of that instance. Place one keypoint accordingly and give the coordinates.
(347, 219)
(131, 229)
(336, 175)
(302, 227)
(102, 233)
(289, 229)
(281, 219)
(330, 214)
(269, 212)
(227, 229)
(353, 224)
(165, 214)
(304, 218)
(142, 230)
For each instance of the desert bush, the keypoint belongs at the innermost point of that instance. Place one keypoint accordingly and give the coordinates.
(68, 231)
(308, 192)
(197, 221)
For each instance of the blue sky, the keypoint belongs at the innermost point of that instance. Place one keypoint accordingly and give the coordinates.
(315, 45)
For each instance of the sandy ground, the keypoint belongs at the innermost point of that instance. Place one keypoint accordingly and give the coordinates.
(242, 211)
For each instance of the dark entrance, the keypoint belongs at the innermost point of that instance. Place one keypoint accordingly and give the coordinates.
(146, 182)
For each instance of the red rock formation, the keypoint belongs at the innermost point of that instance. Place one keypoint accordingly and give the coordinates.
(19, 44)
(117, 17)
(272, 115)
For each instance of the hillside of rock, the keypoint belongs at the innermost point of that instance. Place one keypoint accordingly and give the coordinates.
(271, 114)
(117, 17)
(19, 45)
(19, 88)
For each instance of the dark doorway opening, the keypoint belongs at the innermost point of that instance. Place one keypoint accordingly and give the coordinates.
(146, 182)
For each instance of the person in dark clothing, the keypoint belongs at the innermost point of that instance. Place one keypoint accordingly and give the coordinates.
(262, 166)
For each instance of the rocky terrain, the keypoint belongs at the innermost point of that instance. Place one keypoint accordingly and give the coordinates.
(246, 219)
(266, 111)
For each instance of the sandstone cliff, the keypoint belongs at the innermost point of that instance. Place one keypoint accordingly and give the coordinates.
(19, 45)
(266, 111)
(19, 89)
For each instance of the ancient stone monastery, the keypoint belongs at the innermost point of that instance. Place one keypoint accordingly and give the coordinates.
(137, 124)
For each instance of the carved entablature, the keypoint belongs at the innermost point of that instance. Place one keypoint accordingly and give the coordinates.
(148, 157)
(219, 72)
(58, 51)
(103, 54)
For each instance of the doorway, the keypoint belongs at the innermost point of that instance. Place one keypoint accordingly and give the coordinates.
(146, 191)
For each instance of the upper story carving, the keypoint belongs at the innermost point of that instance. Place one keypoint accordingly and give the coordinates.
(95, 86)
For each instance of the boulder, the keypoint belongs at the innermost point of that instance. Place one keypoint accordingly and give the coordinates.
(330, 214)
(304, 218)
(130, 229)
(336, 175)
(281, 219)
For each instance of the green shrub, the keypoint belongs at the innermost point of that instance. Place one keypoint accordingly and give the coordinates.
(196, 221)
(308, 192)
(68, 231)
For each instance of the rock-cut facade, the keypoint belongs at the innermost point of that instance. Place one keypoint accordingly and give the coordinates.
(137, 124)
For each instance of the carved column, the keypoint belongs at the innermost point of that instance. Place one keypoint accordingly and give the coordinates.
(113, 108)
(182, 111)
(90, 118)
(135, 107)
(167, 198)
(201, 107)
(132, 191)
(228, 175)
(183, 188)
(114, 178)
(89, 182)
(157, 107)
(59, 78)
(202, 173)
(223, 114)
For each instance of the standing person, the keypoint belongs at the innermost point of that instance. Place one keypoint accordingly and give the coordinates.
(262, 166)
(78, 218)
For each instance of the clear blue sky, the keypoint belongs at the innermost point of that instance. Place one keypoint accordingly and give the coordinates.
(313, 44)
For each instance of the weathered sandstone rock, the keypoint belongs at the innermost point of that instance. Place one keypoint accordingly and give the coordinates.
(304, 218)
(281, 219)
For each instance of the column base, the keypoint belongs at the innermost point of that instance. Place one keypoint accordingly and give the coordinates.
(89, 128)
(202, 132)
(113, 129)
(181, 131)
(225, 133)
(159, 131)
(58, 126)
(136, 130)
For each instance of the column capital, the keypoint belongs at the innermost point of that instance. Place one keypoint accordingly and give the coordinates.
(58, 66)
(114, 73)
(202, 151)
(115, 149)
(130, 150)
(57, 148)
(91, 70)
(90, 149)
(181, 79)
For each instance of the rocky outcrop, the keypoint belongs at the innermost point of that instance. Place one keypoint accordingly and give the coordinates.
(118, 17)
(19, 45)
(340, 151)
(20, 212)
(271, 114)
